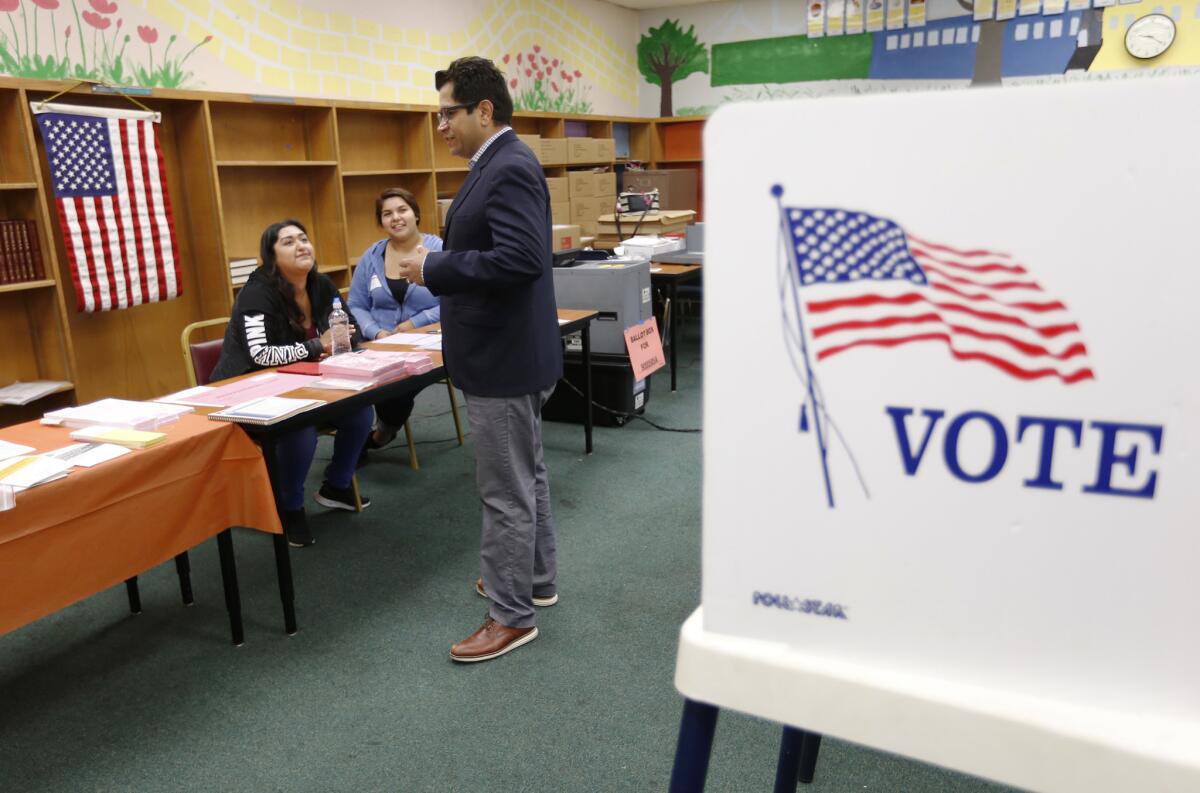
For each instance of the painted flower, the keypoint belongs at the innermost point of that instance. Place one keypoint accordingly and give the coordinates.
(96, 21)
(8, 6)
(563, 74)
(49, 5)
(520, 55)
(578, 73)
(147, 34)
(506, 57)
(529, 72)
(554, 85)
(554, 63)
(512, 83)
(537, 47)
(67, 32)
(569, 79)
(103, 6)
(541, 75)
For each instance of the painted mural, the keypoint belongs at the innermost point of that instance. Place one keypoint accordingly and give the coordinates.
(560, 55)
(761, 49)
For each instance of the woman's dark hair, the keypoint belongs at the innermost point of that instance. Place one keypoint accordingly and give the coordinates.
(403, 195)
(266, 252)
(476, 79)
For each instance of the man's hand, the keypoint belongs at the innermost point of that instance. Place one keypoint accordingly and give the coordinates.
(410, 266)
(405, 326)
(382, 333)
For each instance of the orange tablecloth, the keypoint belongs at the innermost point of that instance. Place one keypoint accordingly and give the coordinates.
(74, 537)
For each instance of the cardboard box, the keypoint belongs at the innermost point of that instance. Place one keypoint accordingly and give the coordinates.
(560, 213)
(589, 229)
(565, 237)
(560, 191)
(606, 183)
(582, 150)
(606, 204)
(606, 149)
(581, 184)
(583, 209)
(553, 151)
(665, 222)
(534, 142)
(676, 187)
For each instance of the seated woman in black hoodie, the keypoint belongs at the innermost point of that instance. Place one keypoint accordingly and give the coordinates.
(281, 316)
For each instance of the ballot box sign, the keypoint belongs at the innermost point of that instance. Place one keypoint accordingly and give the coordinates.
(645, 348)
(972, 450)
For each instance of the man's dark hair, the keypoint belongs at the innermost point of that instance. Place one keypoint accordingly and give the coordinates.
(476, 79)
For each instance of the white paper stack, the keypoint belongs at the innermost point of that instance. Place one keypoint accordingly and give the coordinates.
(649, 246)
(118, 413)
(240, 269)
(19, 393)
(24, 472)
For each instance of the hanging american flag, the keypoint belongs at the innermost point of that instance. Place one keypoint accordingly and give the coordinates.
(110, 184)
(866, 282)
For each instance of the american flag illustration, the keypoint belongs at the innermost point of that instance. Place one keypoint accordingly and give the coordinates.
(110, 184)
(866, 282)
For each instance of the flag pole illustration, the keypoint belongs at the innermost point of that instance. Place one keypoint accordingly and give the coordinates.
(864, 282)
(777, 191)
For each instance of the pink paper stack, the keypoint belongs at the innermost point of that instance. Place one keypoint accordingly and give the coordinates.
(417, 362)
(376, 365)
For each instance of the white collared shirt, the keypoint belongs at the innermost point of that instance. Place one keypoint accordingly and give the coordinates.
(475, 157)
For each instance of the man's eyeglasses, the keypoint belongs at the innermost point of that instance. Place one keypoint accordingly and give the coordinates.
(446, 113)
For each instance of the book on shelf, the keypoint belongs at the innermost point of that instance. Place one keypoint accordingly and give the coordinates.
(20, 252)
(240, 269)
(19, 393)
(265, 410)
(121, 436)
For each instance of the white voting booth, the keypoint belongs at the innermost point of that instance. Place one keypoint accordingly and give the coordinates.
(957, 517)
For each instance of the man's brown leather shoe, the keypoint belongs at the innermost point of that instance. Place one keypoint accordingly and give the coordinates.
(492, 640)
(537, 601)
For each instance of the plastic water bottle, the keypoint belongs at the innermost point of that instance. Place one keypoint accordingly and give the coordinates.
(339, 325)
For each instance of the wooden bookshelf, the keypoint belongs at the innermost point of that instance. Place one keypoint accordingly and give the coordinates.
(234, 165)
(379, 139)
(272, 133)
(32, 313)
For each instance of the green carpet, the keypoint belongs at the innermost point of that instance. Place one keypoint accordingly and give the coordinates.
(364, 697)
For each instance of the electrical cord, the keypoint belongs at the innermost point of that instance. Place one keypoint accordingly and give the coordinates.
(627, 416)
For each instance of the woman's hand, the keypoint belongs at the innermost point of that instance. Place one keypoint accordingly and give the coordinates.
(405, 326)
(327, 341)
(383, 333)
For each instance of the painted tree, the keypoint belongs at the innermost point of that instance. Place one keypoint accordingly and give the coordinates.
(667, 54)
(989, 52)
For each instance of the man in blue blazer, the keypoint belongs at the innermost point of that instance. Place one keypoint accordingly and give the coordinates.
(501, 345)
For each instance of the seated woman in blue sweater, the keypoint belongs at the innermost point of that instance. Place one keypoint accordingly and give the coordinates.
(281, 316)
(383, 303)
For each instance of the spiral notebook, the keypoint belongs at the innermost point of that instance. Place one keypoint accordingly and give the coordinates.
(265, 410)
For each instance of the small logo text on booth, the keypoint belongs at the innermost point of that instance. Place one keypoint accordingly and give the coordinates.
(817, 608)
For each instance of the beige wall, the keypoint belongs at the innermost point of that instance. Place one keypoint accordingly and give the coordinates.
(352, 49)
